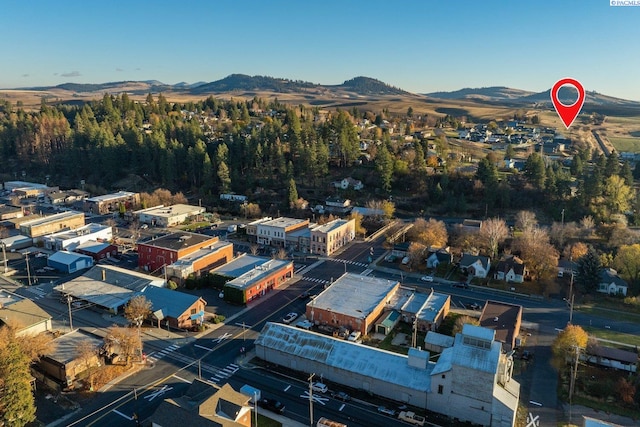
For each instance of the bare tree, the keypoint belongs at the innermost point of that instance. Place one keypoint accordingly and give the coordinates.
(587, 224)
(254, 249)
(525, 220)
(88, 354)
(416, 254)
(122, 341)
(138, 309)
(493, 232)
(280, 254)
(539, 255)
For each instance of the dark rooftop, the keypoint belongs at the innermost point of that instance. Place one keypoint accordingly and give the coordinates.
(179, 240)
(504, 319)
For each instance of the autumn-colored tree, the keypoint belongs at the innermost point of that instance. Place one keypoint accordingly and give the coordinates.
(389, 209)
(627, 262)
(429, 233)
(575, 251)
(626, 390)
(250, 210)
(136, 312)
(358, 228)
(493, 232)
(564, 345)
(416, 254)
(540, 257)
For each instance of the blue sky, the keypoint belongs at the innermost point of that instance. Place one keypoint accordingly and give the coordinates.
(421, 46)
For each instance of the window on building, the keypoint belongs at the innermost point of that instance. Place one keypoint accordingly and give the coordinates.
(440, 388)
(443, 376)
(193, 311)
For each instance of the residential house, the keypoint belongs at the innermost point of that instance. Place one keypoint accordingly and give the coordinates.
(475, 265)
(204, 405)
(510, 269)
(347, 183)
(436, 257)
(174, 308)
(611, 283)
(566, 267)
(401, 249)
(337, 205)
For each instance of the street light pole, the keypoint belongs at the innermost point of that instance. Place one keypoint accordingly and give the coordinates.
(28, 269)
(4, 257)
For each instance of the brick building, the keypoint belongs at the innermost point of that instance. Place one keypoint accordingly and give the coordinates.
(111, 202)
(166, 250)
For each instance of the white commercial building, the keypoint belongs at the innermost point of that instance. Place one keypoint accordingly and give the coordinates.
(71, 239)
(168, 216)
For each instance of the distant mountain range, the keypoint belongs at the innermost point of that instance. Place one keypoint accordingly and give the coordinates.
(505, 95)
(361, 87)
(234, 83)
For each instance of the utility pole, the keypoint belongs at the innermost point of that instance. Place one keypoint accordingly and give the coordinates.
(415, 333)
(311, 400)
(4, 257)
(69, 299)
(28, 269)
(255, 406)
(574, 374)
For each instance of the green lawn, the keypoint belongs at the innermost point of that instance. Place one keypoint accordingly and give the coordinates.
(625, 144)
(608, 334)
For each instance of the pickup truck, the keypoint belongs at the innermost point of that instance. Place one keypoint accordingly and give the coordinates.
(411, 417)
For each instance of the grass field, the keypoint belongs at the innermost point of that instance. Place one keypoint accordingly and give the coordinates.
(608, 334)
(625, 144)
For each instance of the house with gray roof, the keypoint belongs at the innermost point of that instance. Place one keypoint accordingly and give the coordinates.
(611, 283)
(22, 313)
(475, 265)
(204, 405)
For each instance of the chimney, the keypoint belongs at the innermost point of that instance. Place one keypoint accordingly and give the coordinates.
(104, 275)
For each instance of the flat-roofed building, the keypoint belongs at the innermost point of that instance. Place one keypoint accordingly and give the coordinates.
(111, 202)
(65, 363)
(471, 380)
(10, 212)
(169, 216)
(248, 277)
(202, 260)
(68, 220)
(157, 252)
(69, 262)
(353, 302)
(71, 239)
(274, 232)
(505, 320)
(330, 237)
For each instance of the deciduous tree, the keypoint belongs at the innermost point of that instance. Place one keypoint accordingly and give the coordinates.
(493, 232)
(627, 262)
(429, 233)
(564, 345)
(358, 228)
(525, 220)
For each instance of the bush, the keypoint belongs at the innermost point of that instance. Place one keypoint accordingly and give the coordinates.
(218, 318)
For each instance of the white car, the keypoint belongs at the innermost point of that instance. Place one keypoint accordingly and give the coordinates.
(289, 318)
(427, 278)
(319, 387)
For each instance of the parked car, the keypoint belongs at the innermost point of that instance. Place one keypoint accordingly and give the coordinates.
(289, 318)
(304, 295)
(319, 387)
(475, 306)
(427, 278)
(341, 395)
(271, 404)
(386, 411)
(461, 285)
(354, 336)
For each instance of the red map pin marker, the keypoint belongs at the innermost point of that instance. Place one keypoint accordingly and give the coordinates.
(567, 113)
